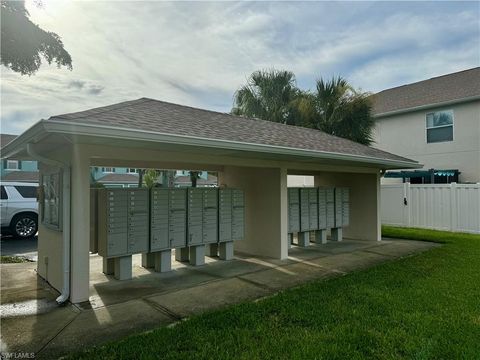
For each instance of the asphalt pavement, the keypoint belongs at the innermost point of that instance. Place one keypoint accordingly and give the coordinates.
(11, 246)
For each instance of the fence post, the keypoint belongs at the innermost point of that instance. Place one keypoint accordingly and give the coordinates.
(453, 206)
(409, 205)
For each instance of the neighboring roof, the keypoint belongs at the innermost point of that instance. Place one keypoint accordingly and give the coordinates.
(6, 138)
(183, 122)
(455, 87)
(23, 176)
(119, 178)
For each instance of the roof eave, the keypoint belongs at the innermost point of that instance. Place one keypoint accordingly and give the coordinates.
(65, 127)
(427, 106)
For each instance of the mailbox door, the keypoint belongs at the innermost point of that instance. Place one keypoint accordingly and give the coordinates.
(210, 216)
(304, 210)
(159, 220)
(338, 207)
(293, 210)
(313, 208)
(225, 207)
(178, 218)
(346, 207)
(238, 219)
(330, 207)
(117, 222)
(322, 208)
(195, 216)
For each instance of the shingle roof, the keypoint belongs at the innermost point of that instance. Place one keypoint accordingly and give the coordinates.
(456, 86)
(24, 176)
(167, 118)
(119, 178)
(211, 180)
(6, 138)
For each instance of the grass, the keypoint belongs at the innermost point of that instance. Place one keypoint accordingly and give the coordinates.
(13, 259)
(421, 307)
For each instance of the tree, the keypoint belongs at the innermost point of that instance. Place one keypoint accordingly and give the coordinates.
(340, 110)
(23, 43)
(268, 95)
(194, 176)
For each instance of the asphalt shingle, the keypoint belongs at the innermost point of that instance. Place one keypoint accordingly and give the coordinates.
(167, 118)
(456, 86)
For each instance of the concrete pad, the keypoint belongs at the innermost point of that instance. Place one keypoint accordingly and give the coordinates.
(110, 291)
(30, 333)
(402, 248)
(287, 276)
(350, 261)
(105, 324)
(199, 299)
(312, 252)
(233, 268)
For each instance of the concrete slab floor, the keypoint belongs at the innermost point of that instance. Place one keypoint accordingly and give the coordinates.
(31, 322)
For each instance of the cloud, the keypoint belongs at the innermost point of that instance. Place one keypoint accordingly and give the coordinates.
(199, 53)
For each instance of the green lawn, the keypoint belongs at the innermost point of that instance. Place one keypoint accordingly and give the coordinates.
(6, 259)
(421, 307)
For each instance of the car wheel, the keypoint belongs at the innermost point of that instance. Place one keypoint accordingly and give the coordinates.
(24, 225)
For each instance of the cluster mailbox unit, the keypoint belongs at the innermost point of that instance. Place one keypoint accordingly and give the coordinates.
(123, 218)
(133, 221)
(317, 209)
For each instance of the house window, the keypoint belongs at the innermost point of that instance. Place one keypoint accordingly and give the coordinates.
(12, 164)
(108, 170)
(132, 171)
(440, 126)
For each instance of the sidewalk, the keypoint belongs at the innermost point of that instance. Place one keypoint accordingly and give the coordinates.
(32, 322)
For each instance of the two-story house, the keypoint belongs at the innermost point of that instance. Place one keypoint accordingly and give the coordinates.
(435, 121)
(17, 170)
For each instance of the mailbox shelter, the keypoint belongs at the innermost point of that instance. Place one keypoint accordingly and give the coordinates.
(252, 155)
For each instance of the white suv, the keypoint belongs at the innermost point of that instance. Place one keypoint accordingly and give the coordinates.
(19, 208)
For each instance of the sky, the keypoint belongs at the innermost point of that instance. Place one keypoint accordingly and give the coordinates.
(199, 53)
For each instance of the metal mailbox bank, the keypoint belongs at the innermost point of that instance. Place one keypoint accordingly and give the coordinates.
(342, 212)
(123, 217)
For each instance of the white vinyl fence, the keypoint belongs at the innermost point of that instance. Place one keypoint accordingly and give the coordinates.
(451, 207)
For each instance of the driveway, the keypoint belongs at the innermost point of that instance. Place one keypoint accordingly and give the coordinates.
(32, 323)
(13, 246)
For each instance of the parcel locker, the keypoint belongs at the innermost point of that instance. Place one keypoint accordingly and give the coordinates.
(138, 220)
(238, 215)
(225, 214)
(293, 210)
(210, 215)
(177, 219)
(338, 207)
(112, 223)
(330, 197)
(313, 208)
(159, 214)
(322, 208)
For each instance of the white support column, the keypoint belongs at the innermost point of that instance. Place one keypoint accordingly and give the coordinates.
(80, 225)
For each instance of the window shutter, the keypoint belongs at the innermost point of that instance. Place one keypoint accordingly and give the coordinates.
(19, 165)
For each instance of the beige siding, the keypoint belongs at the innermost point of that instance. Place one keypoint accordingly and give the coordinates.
(405, 135)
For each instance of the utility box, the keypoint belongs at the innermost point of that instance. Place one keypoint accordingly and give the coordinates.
(330, 206)
(308, 209)
(177, 219)
(342, 207)
(93, 221)
(293, 210)
(202, 216)
(238, 215)
(123, 216)
(231, 215)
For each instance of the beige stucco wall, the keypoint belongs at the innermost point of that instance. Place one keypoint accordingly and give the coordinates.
(405, 135)
(50, 246)
(364, 202)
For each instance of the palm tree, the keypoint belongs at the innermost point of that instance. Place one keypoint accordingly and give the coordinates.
(342, 111)
(268, 95)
